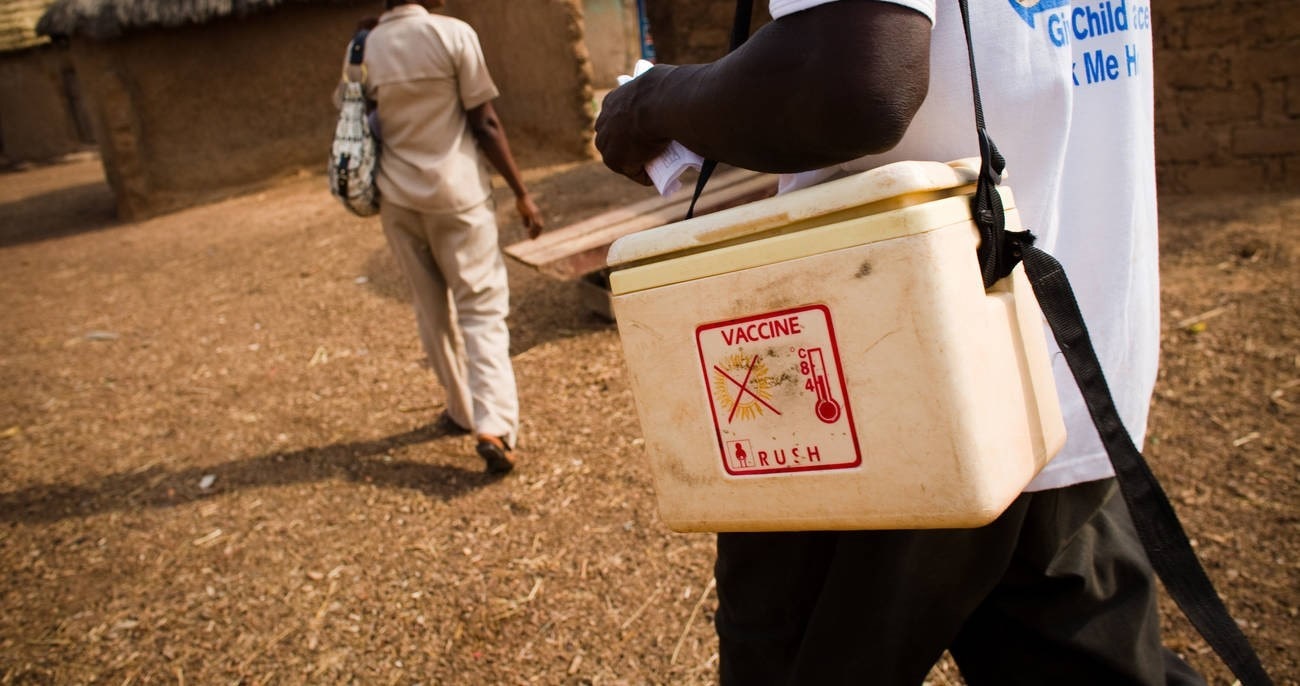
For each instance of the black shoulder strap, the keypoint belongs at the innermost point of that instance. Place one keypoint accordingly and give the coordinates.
(739, 34)
(986, 204)
(1154, 517)
(1157, 524)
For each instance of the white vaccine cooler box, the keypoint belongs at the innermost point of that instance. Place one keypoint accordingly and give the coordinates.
(829, 359)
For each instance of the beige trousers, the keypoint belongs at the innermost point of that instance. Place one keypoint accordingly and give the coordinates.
(461, 297)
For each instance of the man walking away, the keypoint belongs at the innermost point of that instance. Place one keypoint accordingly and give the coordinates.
(433, 95)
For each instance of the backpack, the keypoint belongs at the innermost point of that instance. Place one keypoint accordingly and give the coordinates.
(354, 155)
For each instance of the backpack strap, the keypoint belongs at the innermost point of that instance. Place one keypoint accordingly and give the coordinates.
(357, 54)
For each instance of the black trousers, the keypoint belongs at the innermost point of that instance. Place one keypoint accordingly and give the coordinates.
(1056, 591)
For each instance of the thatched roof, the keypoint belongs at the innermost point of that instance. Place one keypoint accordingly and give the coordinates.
(101, 19)
(18, 24)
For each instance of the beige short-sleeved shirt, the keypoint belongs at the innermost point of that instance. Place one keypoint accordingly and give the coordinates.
(425, 71)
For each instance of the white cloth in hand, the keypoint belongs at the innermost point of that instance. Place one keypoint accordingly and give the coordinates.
(666, 169)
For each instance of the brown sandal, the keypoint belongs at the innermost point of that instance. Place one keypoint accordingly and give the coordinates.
(496, 453)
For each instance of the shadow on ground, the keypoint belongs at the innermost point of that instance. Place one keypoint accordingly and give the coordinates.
(62, 212)
(156, 487)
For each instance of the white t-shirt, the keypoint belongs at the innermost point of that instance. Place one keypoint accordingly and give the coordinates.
(1067, 94)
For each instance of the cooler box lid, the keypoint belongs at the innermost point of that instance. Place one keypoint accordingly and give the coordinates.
(884, 188)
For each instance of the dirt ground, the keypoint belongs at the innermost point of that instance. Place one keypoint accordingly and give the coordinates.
(219, 467)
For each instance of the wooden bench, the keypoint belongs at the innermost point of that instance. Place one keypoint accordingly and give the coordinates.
(578, 250)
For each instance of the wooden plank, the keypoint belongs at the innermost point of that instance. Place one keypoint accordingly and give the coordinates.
(587, 254)
(580, 248)
(525, 250)
(604, 233)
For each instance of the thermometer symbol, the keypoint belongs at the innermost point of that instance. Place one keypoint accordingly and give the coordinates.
(814, 366)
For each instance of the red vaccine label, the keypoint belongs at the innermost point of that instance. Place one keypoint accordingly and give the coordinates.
(777, 394)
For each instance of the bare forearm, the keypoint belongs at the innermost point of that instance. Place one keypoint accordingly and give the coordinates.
(813, 89)
(491, 137)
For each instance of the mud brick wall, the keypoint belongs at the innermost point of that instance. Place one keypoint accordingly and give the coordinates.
(695, 31)
(1227, 84)
(38, 118)
(538, 59)
(1227, 94)
(199, 112)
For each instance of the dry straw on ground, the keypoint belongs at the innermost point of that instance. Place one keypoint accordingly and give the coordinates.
(218, 465)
